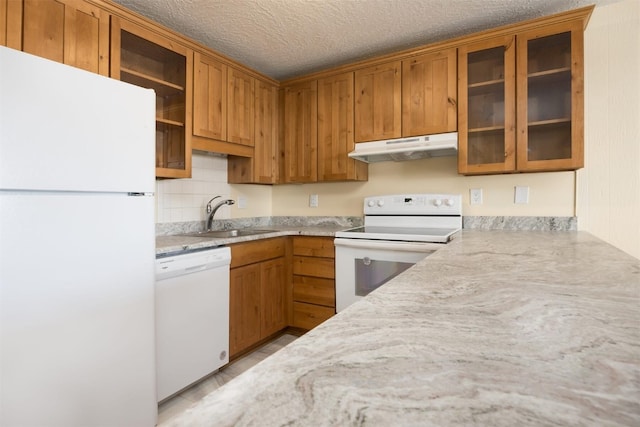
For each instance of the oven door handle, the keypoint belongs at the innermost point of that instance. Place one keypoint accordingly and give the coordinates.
(387, 245)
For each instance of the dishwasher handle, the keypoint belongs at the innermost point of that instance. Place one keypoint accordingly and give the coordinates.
(181, 265)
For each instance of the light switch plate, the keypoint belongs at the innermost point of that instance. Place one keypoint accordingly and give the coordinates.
(521, 195)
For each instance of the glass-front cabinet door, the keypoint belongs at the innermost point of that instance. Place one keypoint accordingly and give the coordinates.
(486, 106)
(141, 57)
(550, 98)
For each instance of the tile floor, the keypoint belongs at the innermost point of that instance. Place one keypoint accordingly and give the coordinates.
(181, 402)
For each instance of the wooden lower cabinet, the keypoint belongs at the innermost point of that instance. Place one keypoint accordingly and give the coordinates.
(257, 293)
(314, 294)
(244, 307)
(308, 316)
(273, 315)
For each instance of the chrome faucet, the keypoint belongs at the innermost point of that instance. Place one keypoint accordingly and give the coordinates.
(212, 210)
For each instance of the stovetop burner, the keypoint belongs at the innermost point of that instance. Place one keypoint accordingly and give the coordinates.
(410, 217)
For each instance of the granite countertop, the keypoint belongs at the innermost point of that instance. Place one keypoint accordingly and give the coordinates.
(496, 329)
(174, 244)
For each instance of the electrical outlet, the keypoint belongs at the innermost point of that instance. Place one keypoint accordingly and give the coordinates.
(313, 200)
(242, 202)
(521, 195)
(475, 196)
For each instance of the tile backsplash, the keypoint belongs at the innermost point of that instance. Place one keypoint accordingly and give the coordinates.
(179, 200)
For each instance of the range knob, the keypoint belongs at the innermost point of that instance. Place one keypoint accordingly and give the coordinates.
(371, 203)
(381, 203)
(437, 202)
(449, 202)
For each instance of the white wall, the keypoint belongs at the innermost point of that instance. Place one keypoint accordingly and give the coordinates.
(608, 188)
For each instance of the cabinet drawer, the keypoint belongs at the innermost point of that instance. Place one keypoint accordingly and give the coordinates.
(260, 250)
(314, 290)
(313, 246)
(308, 316)
(316, 267)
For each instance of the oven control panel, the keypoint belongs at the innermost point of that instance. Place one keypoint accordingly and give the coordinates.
(414, 204)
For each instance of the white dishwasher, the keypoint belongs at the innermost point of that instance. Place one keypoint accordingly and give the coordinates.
(192, 317)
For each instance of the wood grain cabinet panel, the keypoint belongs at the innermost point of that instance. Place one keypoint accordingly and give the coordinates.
(313, 246)
(299, 133)
(259, 250)
(262, 167)
(258, 301)
(244, 307)
(4, 22)
(314, 294)
(335, 131)
(314, 290)
(429, 93)
(72, 32)
(377, 110)
(308, 316)
(313, 266)
(266, 133)
(273, 297)
(209, 97)
(240, 107)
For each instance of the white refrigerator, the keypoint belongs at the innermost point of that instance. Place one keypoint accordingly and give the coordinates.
(77, 247)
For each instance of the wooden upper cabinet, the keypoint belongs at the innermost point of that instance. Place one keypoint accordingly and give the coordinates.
(266, 133)
(377, 110)
(335, 131)
(550, 87)
(144, 58)
(240, 107)
(223, 108)
(429, 102)
(521, 103)
(299, 132)
(209, 97)
(262, 168)
(4, 13)
(71, 32)
(487, 106)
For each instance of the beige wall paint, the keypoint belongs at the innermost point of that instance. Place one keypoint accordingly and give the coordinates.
(609, 185)
(549, 193)
(257, 198)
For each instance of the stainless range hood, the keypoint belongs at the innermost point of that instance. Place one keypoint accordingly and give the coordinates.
(410, 148)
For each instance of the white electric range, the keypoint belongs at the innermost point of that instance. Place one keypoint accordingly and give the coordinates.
(399, 230)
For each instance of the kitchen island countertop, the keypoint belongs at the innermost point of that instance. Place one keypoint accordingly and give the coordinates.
(497, 329)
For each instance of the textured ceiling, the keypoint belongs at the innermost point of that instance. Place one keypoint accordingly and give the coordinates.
(288, 38)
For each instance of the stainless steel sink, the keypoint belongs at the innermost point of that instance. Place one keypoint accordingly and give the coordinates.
(220, 234)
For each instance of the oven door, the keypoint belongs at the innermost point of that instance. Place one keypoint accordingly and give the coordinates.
(364, 265)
